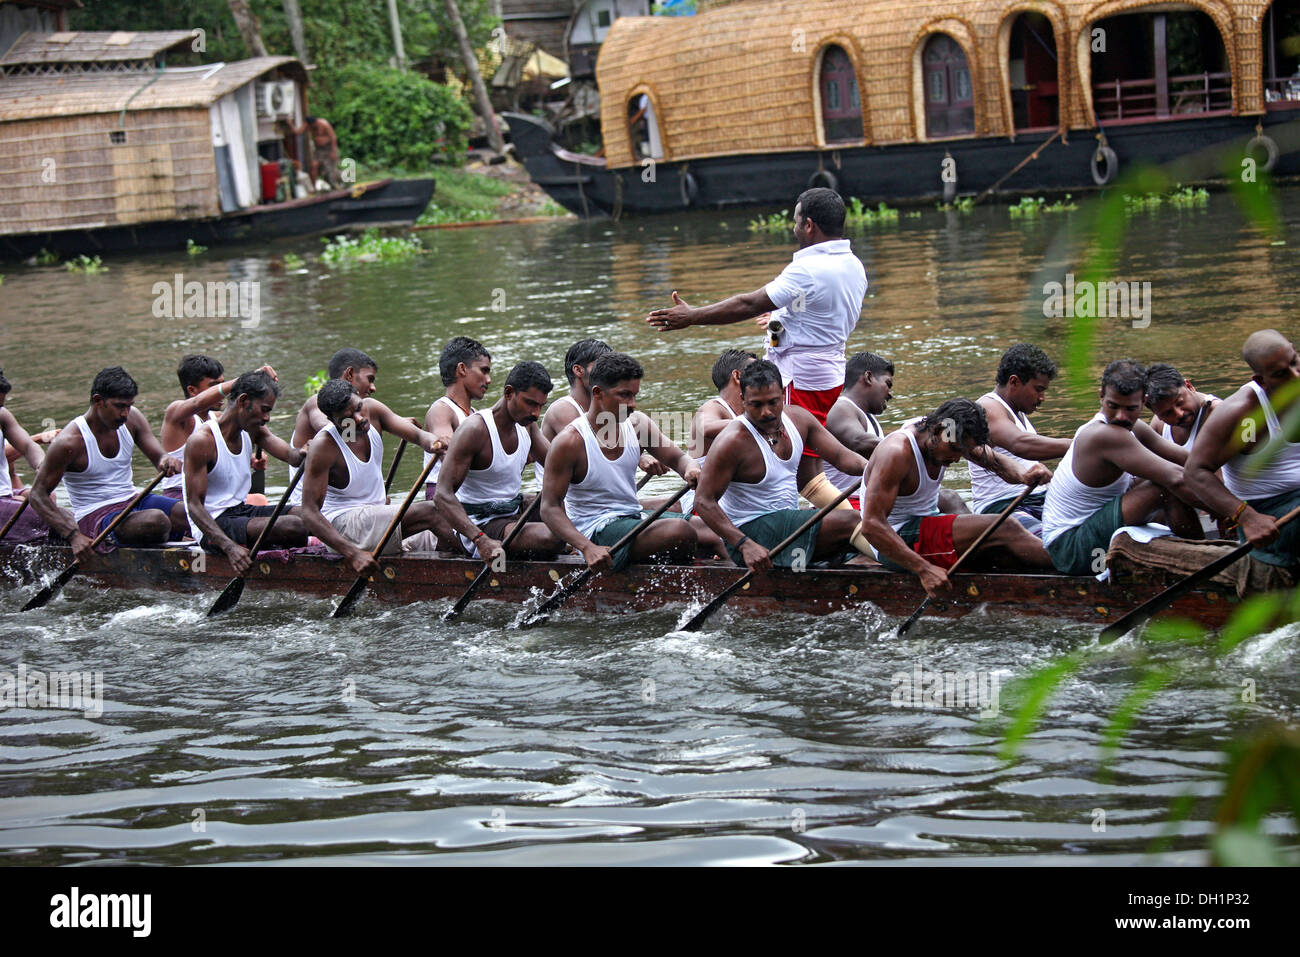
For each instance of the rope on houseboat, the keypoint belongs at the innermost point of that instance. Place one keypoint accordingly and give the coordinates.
(1019, 166)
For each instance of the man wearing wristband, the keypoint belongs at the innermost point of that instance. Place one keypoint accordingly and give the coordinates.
(1243, 435)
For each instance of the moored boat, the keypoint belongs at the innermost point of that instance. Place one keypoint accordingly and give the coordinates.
(815, 591)
(753, 101)
(111, 149)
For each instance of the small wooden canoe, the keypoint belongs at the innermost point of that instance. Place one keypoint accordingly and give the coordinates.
(816, 591)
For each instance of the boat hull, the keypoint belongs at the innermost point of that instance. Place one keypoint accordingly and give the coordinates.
(1195, 149)
(640, 588)
(386, 203)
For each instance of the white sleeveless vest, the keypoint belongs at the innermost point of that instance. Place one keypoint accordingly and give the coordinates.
(1282, 473)
(842, 480)
(688, 500)
(1069, 502)
(925, 500)
(987, 487)
(537, 466)
(608, 490)
(230, 479)
(365, 479)
(503, 479)
(778, 488)
(460, 415)
(104, 481)
(174, 481)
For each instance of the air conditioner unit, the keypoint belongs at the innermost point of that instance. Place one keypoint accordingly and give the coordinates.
(275, 99)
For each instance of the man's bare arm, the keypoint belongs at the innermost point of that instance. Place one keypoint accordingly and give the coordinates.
(17, 436)
(1005, 434)
(148, 443)
(848, 430)
(1157, 443)
(455, 466)
(736, 308)
(825, 444)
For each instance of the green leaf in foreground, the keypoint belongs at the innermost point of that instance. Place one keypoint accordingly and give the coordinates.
(1036, 688)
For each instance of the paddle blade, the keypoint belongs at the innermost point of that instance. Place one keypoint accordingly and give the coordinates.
(42, 597)
(228, 599)
(350, 599)
(915, 616)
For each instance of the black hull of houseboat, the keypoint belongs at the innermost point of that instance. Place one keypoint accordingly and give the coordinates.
(390, 203)
(1192, 150)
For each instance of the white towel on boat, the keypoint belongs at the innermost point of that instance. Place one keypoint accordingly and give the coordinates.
(1140, 534)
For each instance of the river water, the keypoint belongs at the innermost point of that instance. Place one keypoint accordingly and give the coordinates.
(279, 734)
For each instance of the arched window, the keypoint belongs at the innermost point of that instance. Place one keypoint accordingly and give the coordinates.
(643, 129)
(949, 92)
(1035, 94)
(841, 105)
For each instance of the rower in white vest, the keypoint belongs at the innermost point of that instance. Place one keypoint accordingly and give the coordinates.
(218, 474)
(205, 388)
(717, 412)
(481, 489)
(589, 496)
(92, 457)
(1024, 375)
(343, 501)
(466, 370)
(749, 493)
(868, 387)
(355, 368)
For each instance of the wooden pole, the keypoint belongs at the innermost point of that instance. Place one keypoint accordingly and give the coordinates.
(396, 24)
(248, 26)
(293, 13)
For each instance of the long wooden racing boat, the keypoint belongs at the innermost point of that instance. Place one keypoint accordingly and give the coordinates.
(816, 591)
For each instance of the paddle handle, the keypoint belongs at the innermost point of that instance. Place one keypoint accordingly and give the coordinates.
(257, 477)
(14, 517)
(925, 603)
(1158, 603)
(279, 508)
(562, 592)
(359, 585)
(454, 612)
(392, 469)
(696, 622)
(121, 516)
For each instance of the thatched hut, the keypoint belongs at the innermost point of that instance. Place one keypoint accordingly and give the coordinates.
(97, 131)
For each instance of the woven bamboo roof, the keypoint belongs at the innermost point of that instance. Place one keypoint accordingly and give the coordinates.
(32, 97)
(740, 77)
(92, 47)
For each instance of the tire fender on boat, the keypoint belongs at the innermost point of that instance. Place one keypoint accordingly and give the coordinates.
(1270, 151)
(824, 178)
(1105, 165)
(689, 188)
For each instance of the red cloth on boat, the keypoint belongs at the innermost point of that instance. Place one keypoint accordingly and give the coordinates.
(934, 541)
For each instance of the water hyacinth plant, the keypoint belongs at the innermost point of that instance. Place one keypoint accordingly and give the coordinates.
(370, 247)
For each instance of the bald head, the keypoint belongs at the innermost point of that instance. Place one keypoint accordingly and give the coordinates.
(1262, 346)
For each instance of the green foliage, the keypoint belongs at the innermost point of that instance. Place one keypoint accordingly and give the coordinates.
(371, 247)
(781, 222)
(86, 265)
(293, 261)
(388, 117)
(859, 215)
(1033, 207)
(315, 382)
(194, 249)
(464, 197)
(1182, 197)
(963, 204)
(46, 258)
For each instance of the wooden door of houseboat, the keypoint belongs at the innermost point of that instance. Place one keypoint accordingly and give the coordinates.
(949, 93)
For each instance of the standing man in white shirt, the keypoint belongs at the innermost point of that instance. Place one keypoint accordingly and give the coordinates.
(817, 301)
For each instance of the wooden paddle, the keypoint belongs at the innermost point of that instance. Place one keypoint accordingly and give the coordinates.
(695, 623)
(562, 592)
(903, 628)
(392, 469)
(481, 577)
(230, 595)
(14, 517)
(359, 586)
(1160, 602)
(43, 596)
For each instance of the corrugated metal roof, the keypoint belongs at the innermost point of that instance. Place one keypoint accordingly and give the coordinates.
(32, 97)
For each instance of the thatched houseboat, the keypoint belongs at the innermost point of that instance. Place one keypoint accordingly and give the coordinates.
(106, 147)
(754, 100)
